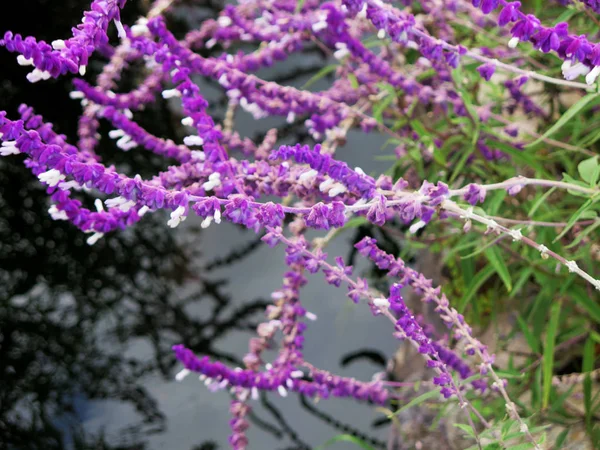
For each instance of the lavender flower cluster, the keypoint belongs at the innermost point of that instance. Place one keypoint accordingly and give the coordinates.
(220, 176)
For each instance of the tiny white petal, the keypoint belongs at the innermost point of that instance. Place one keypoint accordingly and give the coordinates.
(224, 21)
(182, 374)
(120, 30)
(325, 185)
(22, 61)
(319, 26)
(94, 238)
(310, 316)
(114, 134)
(416, 226)
(57, 214)
(590, 78)
(513, 42)
(198, 155)
(381, 302)
(337, 188)
(139, 29)
(206, 222)
(51, 177)
(58, 44)
(193, 140)
(171, 93)
(308, 175)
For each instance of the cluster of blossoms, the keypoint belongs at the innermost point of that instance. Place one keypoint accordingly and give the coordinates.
(220, 176)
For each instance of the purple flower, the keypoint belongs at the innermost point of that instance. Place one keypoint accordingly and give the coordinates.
(474, 194)
(509, 13)
(487, 6)
(486, 71)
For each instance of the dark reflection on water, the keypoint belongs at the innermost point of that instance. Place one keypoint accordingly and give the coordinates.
(86, 332)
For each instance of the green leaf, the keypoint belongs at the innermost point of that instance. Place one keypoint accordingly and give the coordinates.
(589, 305)
(355, 222)
(523, 446)
(532, 341)
(461, 163)
(561, 438)
(480, 249)
(494, 256)
(299, 6)
(583, 234)
(523, 278)
(477, 281)
(417, 401)
(589, 139)
(566, 117)
(506, 427)
(588, 170)
(320, 74)
(381, 106)
(548, 363)
(466, 428)
(575, 217)
(353, 81)
(570, 179)
(345, 438)
(540, 201)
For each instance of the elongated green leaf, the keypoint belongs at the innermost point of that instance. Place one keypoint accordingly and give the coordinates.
(533, 341)
(575, 217)
(380, 108)
(353, 81)
(523, 278)
(477, 281)
(566, 117)
(495, 258)
(540, 201)
(583, 234)
(480, 250)
(584, 301)
(561, 438)
(355, 222)
(548, 364)
(589, 139)
(320, 74)
(345, 438)
(417, 401)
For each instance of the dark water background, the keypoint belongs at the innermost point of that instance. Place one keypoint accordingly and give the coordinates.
(86, 332)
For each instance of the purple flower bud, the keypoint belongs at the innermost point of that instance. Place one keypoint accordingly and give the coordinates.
(486, 71)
